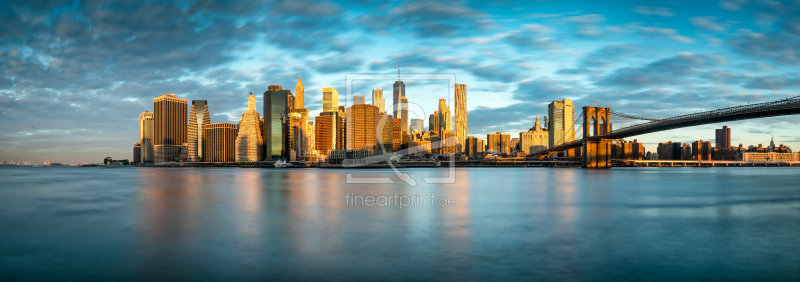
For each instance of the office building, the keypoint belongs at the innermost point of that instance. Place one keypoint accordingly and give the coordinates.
(461, 125)
(170, 116)
(249, 140)
(404, 122)
(198, 118)
(146, 135)
(701, 150)
(398, 91)
(445, 119)
(397, 137)
(535, 139)
(561, 116)
(219, 142)
(361, 127)
(378, 101)
(723, 138)
(325, 130)
(417, 126)
(137, 152)
(769, 157)
(330, 99)
(276, 122)
(473, 146)
(299, 95)
(498, 142)
(358, 100)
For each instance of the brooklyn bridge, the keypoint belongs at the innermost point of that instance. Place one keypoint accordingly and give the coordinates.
(597, 135)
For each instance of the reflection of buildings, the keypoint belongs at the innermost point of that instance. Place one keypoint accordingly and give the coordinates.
(170, 130)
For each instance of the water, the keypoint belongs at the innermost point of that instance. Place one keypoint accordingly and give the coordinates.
(167, 224)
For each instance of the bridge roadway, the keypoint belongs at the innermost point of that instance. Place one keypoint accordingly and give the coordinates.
(789, 106)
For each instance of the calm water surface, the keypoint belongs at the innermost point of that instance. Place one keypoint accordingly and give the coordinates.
(167, 224)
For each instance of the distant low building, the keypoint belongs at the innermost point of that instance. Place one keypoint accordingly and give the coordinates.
(769, 157)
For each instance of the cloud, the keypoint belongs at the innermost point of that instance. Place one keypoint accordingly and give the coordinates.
(427, 19)
(778, 82)
(588, 25)
(733, 5)
(653, 11)
(777, 47)
(609, 55)
(708, 23)
(666, 71)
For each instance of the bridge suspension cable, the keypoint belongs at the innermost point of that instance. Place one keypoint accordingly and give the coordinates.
(622, 115)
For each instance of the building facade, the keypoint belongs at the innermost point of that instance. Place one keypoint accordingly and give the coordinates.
(219, 142)
(299, 94)
(536, 139)
(170, 116)
(398, 91)
(249, 141)
(561, 122)
(276, 122)
(361, 127)
(461, 124)
(146, 136)
(330, 99)
(769, 157)
(378, 101)
(723, 137)
(701, 150)
(498, 142)
(198, 119)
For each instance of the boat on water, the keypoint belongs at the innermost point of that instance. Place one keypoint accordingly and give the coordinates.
(282, 164)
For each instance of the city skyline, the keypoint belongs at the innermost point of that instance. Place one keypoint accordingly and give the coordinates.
(659, 61)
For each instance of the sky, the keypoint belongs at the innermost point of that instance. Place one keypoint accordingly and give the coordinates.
(76, 75)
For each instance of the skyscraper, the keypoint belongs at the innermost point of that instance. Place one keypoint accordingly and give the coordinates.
(146, 135)
(219, 142)
(444, 116)
(357, 100)
(462, 126)
(330, 99)
(361, 127)
(398, 91)
(404, 125)
(561, 121)
(299, 94)
(198, 118)
(276, 122)
(170, 130)
(473, 146)
(325, 130)
(417, 125)
(378, 101)
(249, 142)
(535, 139)
(723, 138)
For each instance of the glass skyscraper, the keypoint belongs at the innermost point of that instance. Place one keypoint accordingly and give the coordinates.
(276, 113)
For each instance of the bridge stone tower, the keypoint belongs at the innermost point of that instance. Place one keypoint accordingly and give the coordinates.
(596, 153)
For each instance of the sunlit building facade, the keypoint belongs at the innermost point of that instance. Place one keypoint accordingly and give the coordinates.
(219, 142)
(276, 121)
(535, 139)
(249, 142)
(561, 121)
(378, 101)
(461, 124)
(498, 142)
(330, 99)
(198, 118)
(170, 116)
(361, 127)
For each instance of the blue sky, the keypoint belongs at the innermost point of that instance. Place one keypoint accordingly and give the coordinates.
(76, 74)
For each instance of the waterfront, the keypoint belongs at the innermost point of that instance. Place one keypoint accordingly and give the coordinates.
(128, 223)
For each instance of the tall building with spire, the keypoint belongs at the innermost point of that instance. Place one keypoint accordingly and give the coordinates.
(198, 119)
(378, 101)
(299, 94)
(462, 127)
(398, 91)
(535, 139)
(249, 143)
